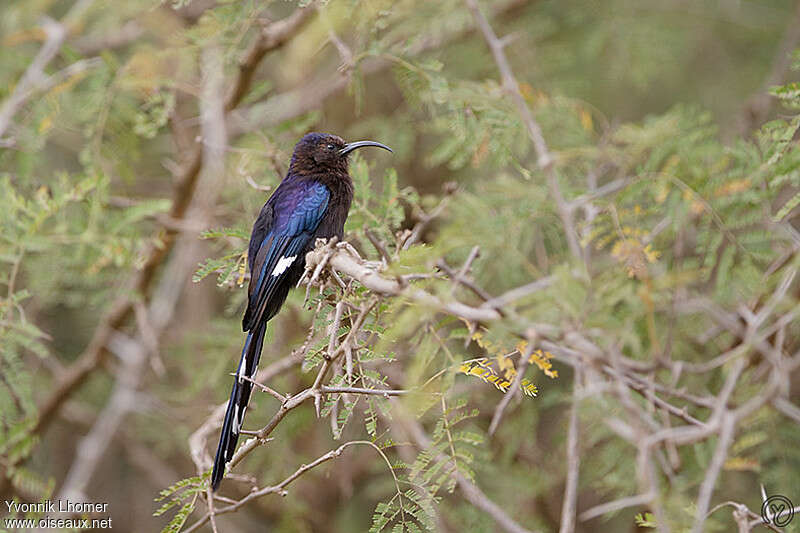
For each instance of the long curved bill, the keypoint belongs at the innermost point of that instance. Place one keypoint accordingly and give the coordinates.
(360, 144)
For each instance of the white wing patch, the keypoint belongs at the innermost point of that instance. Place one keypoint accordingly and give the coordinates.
(283, 264)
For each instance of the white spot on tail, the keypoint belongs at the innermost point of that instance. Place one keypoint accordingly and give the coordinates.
(240, 371)
(238, 419)
(283, 264)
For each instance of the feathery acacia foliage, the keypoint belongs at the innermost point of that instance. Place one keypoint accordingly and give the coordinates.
(454, 365)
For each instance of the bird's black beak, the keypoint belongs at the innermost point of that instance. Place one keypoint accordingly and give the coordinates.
(360, 144)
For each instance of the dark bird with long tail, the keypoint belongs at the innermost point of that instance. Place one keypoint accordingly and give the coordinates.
(311, 202)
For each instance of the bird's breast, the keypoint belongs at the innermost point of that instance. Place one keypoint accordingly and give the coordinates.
(332, 224)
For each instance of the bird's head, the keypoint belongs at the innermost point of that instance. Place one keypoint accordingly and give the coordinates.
(323, 152)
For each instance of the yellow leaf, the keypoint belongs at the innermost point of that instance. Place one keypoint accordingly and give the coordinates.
(733, 187)
(586, 120)
(661, 193)
(13, 39)
(542, 360)
(481, 152)
(503, 362)
(527, 91)
(671, 163)
(529, 389)
(741, 464)
(242, 268)
(46, 124)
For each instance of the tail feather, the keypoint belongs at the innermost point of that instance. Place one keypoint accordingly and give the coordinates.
(237, 404)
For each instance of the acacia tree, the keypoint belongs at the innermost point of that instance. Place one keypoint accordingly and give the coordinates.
(638, 279)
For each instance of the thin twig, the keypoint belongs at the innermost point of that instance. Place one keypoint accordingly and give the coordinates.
(280, 397)
(34, 76)
(570, 504)
(280, 488)
(514, 389)
(728, 426)
(545, 159)
(616, 505)
(361, 390)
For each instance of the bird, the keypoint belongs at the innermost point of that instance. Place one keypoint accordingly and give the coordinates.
(311, 202)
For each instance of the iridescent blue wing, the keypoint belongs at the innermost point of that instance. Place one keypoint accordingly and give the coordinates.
(291, 217)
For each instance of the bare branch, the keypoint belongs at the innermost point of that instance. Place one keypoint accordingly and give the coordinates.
(570, 504)
(361, 390)
(280, 488)
(293, 103)
(726, 435)
(272, 36)
(787, 408)
(117, 38)
(519, 292)
(616, 505)
(34, 76)
(347, 262)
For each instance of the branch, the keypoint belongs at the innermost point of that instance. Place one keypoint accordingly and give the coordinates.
(519, 292)
(471, 492)
(717, 461)
(616, 505)
(361, 390)
(568, 508)
(34, 76)
(514, 390)
(787, 408)
(545, 158)
(280, 488)
(292, 402)
(757, 108)
(341, 258)
(312, 94)
(117, 38)
(199, 439)
(273, 36)
(91, 448)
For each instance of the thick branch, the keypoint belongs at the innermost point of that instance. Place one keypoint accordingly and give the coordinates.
(311, 95)
(272, 36)
(342, 259)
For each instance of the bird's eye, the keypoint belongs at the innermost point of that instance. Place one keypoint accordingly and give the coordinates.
(330, 147)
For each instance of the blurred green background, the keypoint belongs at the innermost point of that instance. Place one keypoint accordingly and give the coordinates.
(91, 156)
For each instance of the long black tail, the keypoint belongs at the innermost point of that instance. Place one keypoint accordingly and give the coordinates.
(237, 405)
